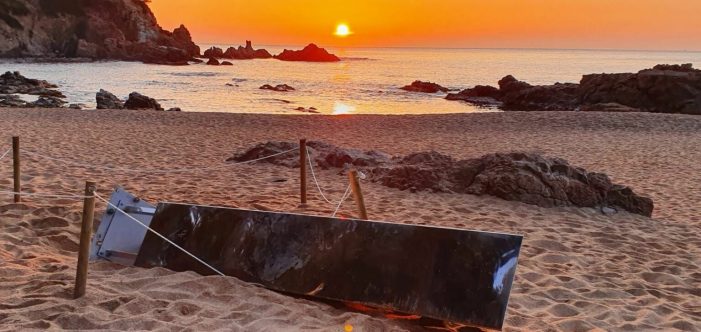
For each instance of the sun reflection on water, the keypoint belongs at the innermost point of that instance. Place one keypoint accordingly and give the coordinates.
(340, 108)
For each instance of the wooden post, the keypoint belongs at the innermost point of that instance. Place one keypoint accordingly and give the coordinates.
(358, 194)
(303, 170)
(81, 276)
(16, 168)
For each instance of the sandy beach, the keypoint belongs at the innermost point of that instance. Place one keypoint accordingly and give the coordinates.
(579, 270)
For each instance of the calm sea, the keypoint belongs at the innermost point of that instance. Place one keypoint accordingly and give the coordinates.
(366, 81)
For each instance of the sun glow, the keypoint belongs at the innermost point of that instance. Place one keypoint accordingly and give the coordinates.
(342, 30)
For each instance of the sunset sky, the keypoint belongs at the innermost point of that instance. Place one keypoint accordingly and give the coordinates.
(581, 24)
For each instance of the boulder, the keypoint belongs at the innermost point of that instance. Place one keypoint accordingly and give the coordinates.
(213, 62)
(226, 63)
(11, 101)
(138, 101)
(663, 89)
(482, 95)
(14, 82)
(174, 109)
(310, 53)
(107, 100)
(425, 87)
(278, 88)
(47, 102)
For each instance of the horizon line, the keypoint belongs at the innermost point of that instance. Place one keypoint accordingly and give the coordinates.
(468, 48)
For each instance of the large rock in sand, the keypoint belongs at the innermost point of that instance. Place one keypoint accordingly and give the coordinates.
(138, 101)
(107, 100)
(525, 177)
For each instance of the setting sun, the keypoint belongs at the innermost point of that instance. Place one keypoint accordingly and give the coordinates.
(342, 30)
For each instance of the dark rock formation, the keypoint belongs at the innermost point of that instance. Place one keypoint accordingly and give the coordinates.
(214, 52)
(138, 101)
(310, 53)
(226, 63)
(106, 100)
(246, 53)
(525, 177)
(174, 109)
(278, 88)
(97, 29)
(425, 87)
(307, 110)
(12, 83)
(213, 62)
(662, 89)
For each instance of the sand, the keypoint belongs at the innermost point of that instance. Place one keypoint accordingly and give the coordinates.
(579, 270)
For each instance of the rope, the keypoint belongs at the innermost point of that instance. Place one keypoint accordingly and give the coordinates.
(159, 235)
(59, 196)
(6, 153)
(318, 187)
(343, 199)
(177, 170)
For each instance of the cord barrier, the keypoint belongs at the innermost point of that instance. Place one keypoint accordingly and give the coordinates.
(177, 170)
(159, 235)
(5, 154)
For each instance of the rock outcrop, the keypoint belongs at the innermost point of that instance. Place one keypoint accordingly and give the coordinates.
(525, 177)
(662, 89)
(278, 88)
(12, 83)
(213, 62)
(96, 29)
(310, 53)
(138, 101)
(107, 100)
(246, 53)
(425, 87)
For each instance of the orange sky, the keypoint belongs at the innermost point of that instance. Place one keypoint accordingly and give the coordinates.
(615, 24)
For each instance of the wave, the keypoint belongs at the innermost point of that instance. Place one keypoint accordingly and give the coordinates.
(196, 74)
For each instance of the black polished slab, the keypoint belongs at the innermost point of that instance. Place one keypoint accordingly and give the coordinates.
(441, 273)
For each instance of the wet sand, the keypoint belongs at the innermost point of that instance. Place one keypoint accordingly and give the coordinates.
(579, 270)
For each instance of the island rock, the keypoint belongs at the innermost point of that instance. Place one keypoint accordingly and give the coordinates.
(310, 53)
(425, 87)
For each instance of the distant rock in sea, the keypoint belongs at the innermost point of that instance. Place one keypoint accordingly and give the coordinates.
(662, 89)
(106, 29)
(425, 87)
(240, 53)
(213, 62)
(278, 88)
(310, 53)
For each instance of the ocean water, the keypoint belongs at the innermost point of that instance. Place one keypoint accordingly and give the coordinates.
(366, 81)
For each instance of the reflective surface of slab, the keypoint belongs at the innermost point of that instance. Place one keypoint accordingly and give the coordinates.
(447, 274)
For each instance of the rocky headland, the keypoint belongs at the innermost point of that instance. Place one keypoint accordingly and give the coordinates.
(661, 89)
(90, 29)
(240, 53)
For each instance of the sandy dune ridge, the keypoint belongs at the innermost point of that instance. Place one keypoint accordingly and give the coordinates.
(579, 270)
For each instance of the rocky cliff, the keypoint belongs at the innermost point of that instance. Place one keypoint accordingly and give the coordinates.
(97, 29)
